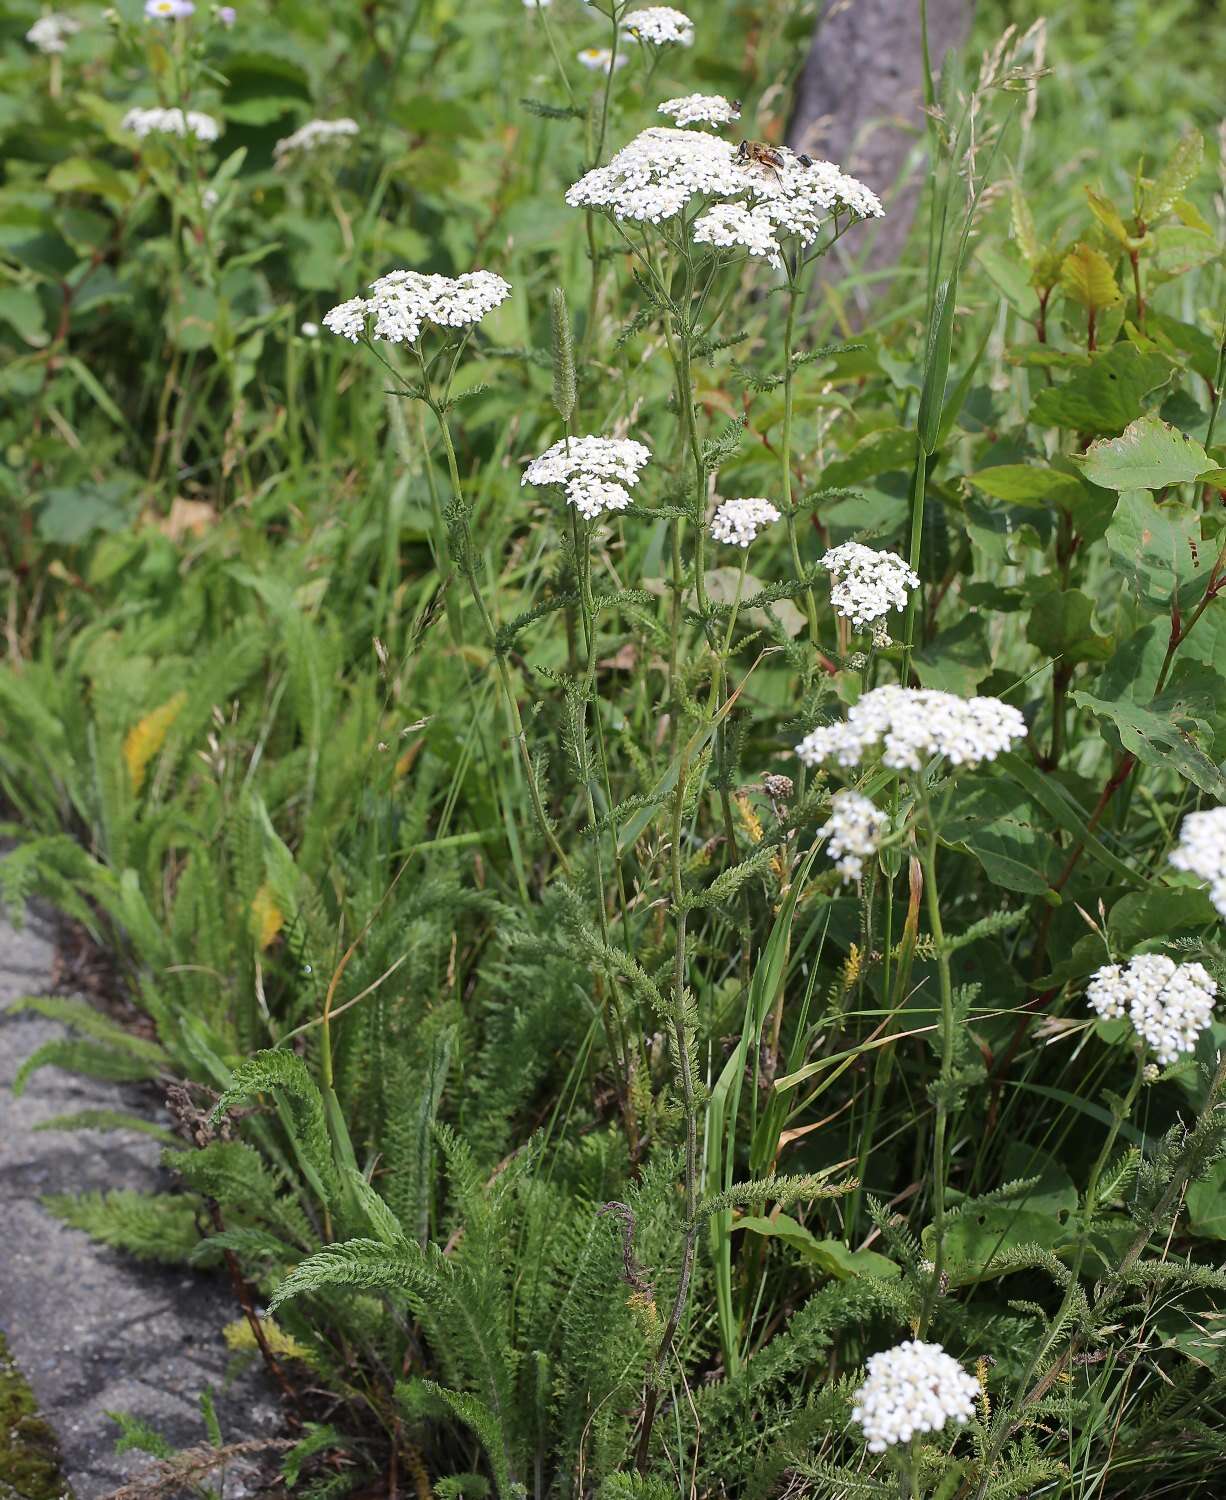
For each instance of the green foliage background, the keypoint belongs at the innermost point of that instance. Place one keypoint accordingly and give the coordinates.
(251, 737)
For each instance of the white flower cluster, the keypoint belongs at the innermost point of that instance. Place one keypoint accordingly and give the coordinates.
(912, 725)
(661, 25)
(739, 521)
(854, 830)
(1169, 1004)
(915, 1387)
(1202, 851)
(313, 135)
(865, 584)
(143, 122)
(734, 226)
(663, 170)
(50, 33)
(700, 109)
(403, 302)
(594, 472)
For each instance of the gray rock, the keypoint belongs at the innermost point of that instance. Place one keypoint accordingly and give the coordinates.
(94, 1330)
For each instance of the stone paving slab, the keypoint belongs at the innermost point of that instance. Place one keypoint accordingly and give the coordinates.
(94, 1330)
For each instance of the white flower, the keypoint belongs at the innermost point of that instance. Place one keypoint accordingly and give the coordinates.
(664, 169)
(532, 4)
(143, 122)
(700, 109)
(733, 226)
(1169, 1004)
(1201, 851)
(403, 302)
(169, 10)
(309, 330)
(913, 724)
(739, 521)
(854, 830)
(600, 59)
(50, 34)
(866, 584)
(313, 135)
(661, 25)
(594, 472)
(915, 1387)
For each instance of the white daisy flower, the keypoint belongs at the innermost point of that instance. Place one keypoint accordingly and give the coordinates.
(600, 59)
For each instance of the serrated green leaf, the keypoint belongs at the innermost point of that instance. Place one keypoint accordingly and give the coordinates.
(1104, 392)
(1159, 738)
(1108, 216)
(1148, 455)
(1160, 196)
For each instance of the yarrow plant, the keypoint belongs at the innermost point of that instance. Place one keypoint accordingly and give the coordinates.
(50, 34)
(866, 584)
(595, 473)
(177, 122)
(915, 1387)
(1201, 851)
(313, 136)
(660, 25)
(1169, 1004)
(854, 831)
(910, 725)
(700, 109)
(402, 303)
(739, 521)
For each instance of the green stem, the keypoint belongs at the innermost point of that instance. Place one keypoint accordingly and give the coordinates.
(785, 455)
(928, 860)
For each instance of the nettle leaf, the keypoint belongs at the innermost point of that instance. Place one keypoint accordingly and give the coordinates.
(1160, 196)
(1105, 393)
(1028, 484)
(881, 452)
(1148, 455)
(995, 822)
(1156, 548)
(1087, 277)
(1159, 737)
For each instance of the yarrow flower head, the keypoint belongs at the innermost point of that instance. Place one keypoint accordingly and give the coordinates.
(313, 135)
(50, 34)
(665, 171)
(915, 1387)
(661, 25)
(403, 302)
(1169, 1004)
(865, 584)
(600, 59)
(169, 10)
(913, 724)
(1201, 851)
(700, 109)
(143, 122)
(739, 521)
(593, 471)
(854, 830)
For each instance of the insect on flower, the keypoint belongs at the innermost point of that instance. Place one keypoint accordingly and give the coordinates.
(760, 154)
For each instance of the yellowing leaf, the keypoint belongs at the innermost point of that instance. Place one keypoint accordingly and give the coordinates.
(1087, 277)
(145, 739)
(241, 1339)
(1024, 231)
(267, 918)
(1108, 216)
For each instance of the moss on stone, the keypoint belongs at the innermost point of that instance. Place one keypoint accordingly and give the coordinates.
(30, 1466)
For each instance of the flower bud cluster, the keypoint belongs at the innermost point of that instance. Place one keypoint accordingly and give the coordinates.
(312, 136)
(143, 122)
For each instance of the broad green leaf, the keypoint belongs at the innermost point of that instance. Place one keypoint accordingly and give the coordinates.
(881, 452)
(79, 175)
(22, 309)
(979, 1237)
(832, 1256)
(956, 660)
(1206, 1204)
(1161, 912)
(1156, 548)
(1104, 393)
(1087, 277)
(1061, 625)
(1160, 739)
(1148, 455)
(1028, 484)
(1160, 196)
(994, 821)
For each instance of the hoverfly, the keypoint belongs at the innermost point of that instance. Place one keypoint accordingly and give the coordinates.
(761, 154)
